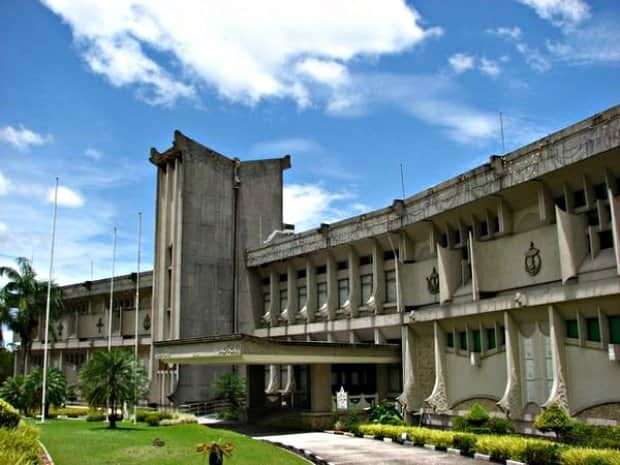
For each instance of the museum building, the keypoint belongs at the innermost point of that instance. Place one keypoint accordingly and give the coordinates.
(499, 286)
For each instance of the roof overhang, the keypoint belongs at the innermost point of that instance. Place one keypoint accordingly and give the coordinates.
(242, 349)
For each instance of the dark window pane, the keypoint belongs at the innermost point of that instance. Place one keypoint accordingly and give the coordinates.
(463, 340)
(477, 341)
(301, 274)
(491, 342)
(572, 329)
(450, 339)
(614, 329)
(606, 239)
(593, 330)
(579, 198)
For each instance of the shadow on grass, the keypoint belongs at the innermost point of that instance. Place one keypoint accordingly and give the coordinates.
(118, 428)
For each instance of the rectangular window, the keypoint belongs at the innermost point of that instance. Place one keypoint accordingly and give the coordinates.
(283, 277)
(484, 228)
(463, 340)
(321, 269)
(614, 329)
(477, 341)
(301, 274)
(572, 329)
(266, 301)
(366, 260)
(343, 292)
(606, 239)
(302, 296)
(450, 339)
(593, 330)
(366, 287)
(283, 299)
(579, 198)
(389, 255)
(321, 293)
(491, 341)
(390, 286)
(343, 265)
(600, 191)
(502, 336)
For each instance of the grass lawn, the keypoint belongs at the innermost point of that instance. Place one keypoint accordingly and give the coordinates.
(77, 442)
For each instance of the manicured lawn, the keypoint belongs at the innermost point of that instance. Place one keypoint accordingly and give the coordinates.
(76, 442)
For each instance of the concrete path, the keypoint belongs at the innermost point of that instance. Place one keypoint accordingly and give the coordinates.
(342, 450)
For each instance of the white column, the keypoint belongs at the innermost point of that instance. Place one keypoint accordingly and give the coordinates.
(511, 402)
(559, 394)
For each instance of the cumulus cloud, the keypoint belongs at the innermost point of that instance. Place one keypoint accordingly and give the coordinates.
(66, 197)
(560, 12)
(513, 33)
(4, 184)
(93, 153)
(292, 145)
(243, 50)
(490, 67)
(461, 62)
(21, 138)
(308, 205)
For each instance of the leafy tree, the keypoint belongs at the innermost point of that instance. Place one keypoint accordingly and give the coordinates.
(554, 418)
(23, 302)
(230, 387)
(56, 389)
(110, 378)
(6, 363)
(13, 391)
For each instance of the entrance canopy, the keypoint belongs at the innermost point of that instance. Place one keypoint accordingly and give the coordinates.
(243, 349)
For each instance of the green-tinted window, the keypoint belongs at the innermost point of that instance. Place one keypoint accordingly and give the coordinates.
(491, 342)
(614, 329)
(450, 340)
(463, 340)
(593, 330)
(477, 341)
(502, 336)
(572, 329)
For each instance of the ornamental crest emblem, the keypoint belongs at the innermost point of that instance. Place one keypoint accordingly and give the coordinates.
(432, 282)
(533, 262)
(146, 324)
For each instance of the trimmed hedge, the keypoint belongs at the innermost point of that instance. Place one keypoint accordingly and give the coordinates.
(19, 445)
(500, 448)
(9, 416)
(153, 418)
(70, 412)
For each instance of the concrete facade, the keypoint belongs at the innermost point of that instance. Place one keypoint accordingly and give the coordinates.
(500, 285)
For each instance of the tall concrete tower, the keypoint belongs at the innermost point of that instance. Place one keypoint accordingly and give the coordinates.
(209, 209)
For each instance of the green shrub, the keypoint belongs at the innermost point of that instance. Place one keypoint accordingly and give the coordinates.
(554, 418)
(71, 412)
(584, 456)
(501, 448)
(477, 416)
(542, 453)
(595, 436)
(180, 419)
(153, 419)
(9, 416)
(459, 424)
(94, 416)
(465, 442)
(498, 425)
(19, 445)
(385, 413)
(142, 413)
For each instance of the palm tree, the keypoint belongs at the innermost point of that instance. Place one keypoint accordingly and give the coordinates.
(23, 301)
(56, 388)
(110, 378)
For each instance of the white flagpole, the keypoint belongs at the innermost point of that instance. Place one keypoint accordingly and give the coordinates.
(111, 292)
(47, 306)
(137, 305)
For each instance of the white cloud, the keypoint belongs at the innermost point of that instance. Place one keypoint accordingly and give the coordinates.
(327, 72)
(560, 12)
(535, 59)
(93, 153)
(308, 205)
(243, 50)
(4, 184)
(461, 62)
(596, 44)
(66, 197)
(490, 67)
(21, 138)
(283, 146)
(513, 33)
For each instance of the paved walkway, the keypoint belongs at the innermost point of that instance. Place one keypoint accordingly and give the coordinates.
(342, 450)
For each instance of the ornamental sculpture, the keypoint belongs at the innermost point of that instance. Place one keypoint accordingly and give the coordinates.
(99, 325)
(146, 324)
(533, 262)
(432, 282)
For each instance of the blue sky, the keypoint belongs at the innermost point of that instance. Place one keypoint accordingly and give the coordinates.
(350, 89)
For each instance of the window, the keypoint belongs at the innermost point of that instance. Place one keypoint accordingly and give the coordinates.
(600, 191)
(389, 255)
(301, 274)
(463, 340)
(283, 277)
(450, 339)
(491, 340)
(606, 239)
(343, 292)
(502, 336)
(302, 296)
(572, 329)
(477, 341)
(484, 228)
(366, 287)
(321, 292)
(343, 265)
(390, 286)
(579, 197)
(366, 260)
(593, 330)
(321, 269)
(283, 299)
(560, 202)
(265, 281)
(614, 329)
(495, 225)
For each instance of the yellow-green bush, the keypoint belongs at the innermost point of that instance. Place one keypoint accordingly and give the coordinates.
(19, 445)
(9, 416)
(71, 412)
(583, 456)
